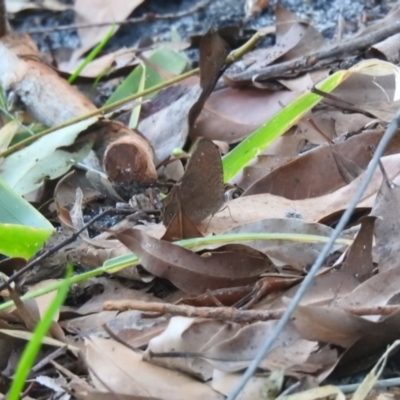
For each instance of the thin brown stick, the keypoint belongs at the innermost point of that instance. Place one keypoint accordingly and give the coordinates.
(226, 313)
(75, 378)
(348, 46)
(145, 18)
(51, 357)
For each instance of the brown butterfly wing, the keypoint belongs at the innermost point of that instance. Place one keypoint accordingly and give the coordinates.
(201, 189)
(171, 205)
(202, 185)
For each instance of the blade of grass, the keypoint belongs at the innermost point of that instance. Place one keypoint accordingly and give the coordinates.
(118, 263)
(92, 55)
(134, 119)
(260, 139)
(32, 348)
(14, 209)
(22, 241)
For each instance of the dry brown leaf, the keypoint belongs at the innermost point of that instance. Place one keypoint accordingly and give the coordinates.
(369, 347)
(213, 53)
(10, 346)
(65, 191)
(114, 60)
(297, 255)
(237, 352)
(111, 289)
(333, 124)
(263, 206)
(330, 325)
(347, 169)
(182, 114)
(294, 38)
(281, 151)
(376, 96)
(375, 292)
(325, 289)
(190, 272)
(89, 324)
(305, 82)
(232, 114)
(226, 382)
(323, 392)
(28, 311)
(118, 10)
(91, 256)
(292, 180)
(165, 137)
(388, 49)
(387, 225)
(188, 335)
(227, 297)
(97, 395)
(124, 372)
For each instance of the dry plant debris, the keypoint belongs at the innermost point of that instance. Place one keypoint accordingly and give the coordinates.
(186, 319)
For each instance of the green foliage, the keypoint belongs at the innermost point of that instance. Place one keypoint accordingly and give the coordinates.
(260, 139)
(168, 60)
(22, 241)
(32, 348)
(92, 55)
(135, 114)
(25, 170)
(14, 209)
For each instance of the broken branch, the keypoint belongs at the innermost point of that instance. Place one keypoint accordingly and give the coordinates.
(302, 63)
(225, 313)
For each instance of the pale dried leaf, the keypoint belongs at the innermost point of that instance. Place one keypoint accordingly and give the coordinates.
(124, 372)
(187, 335)
(263, 206)
(118, 10)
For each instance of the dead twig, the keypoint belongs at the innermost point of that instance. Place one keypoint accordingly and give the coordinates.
(148, 17)
(51, 357)
(219, 313)
(347, 46)
(226, 313)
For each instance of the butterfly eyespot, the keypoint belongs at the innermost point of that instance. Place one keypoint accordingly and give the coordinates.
(191, 183)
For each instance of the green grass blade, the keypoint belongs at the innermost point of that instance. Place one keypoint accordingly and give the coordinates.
(135, 114)
(22, 241)
(14, 209)
(32, 348)
(93, 54)
(169, 60)
(260, 139)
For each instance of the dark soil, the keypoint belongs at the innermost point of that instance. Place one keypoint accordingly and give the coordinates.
(219, 13)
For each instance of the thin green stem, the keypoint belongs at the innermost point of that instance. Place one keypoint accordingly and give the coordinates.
(33, 346)
(92, 55)
(117, 264)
